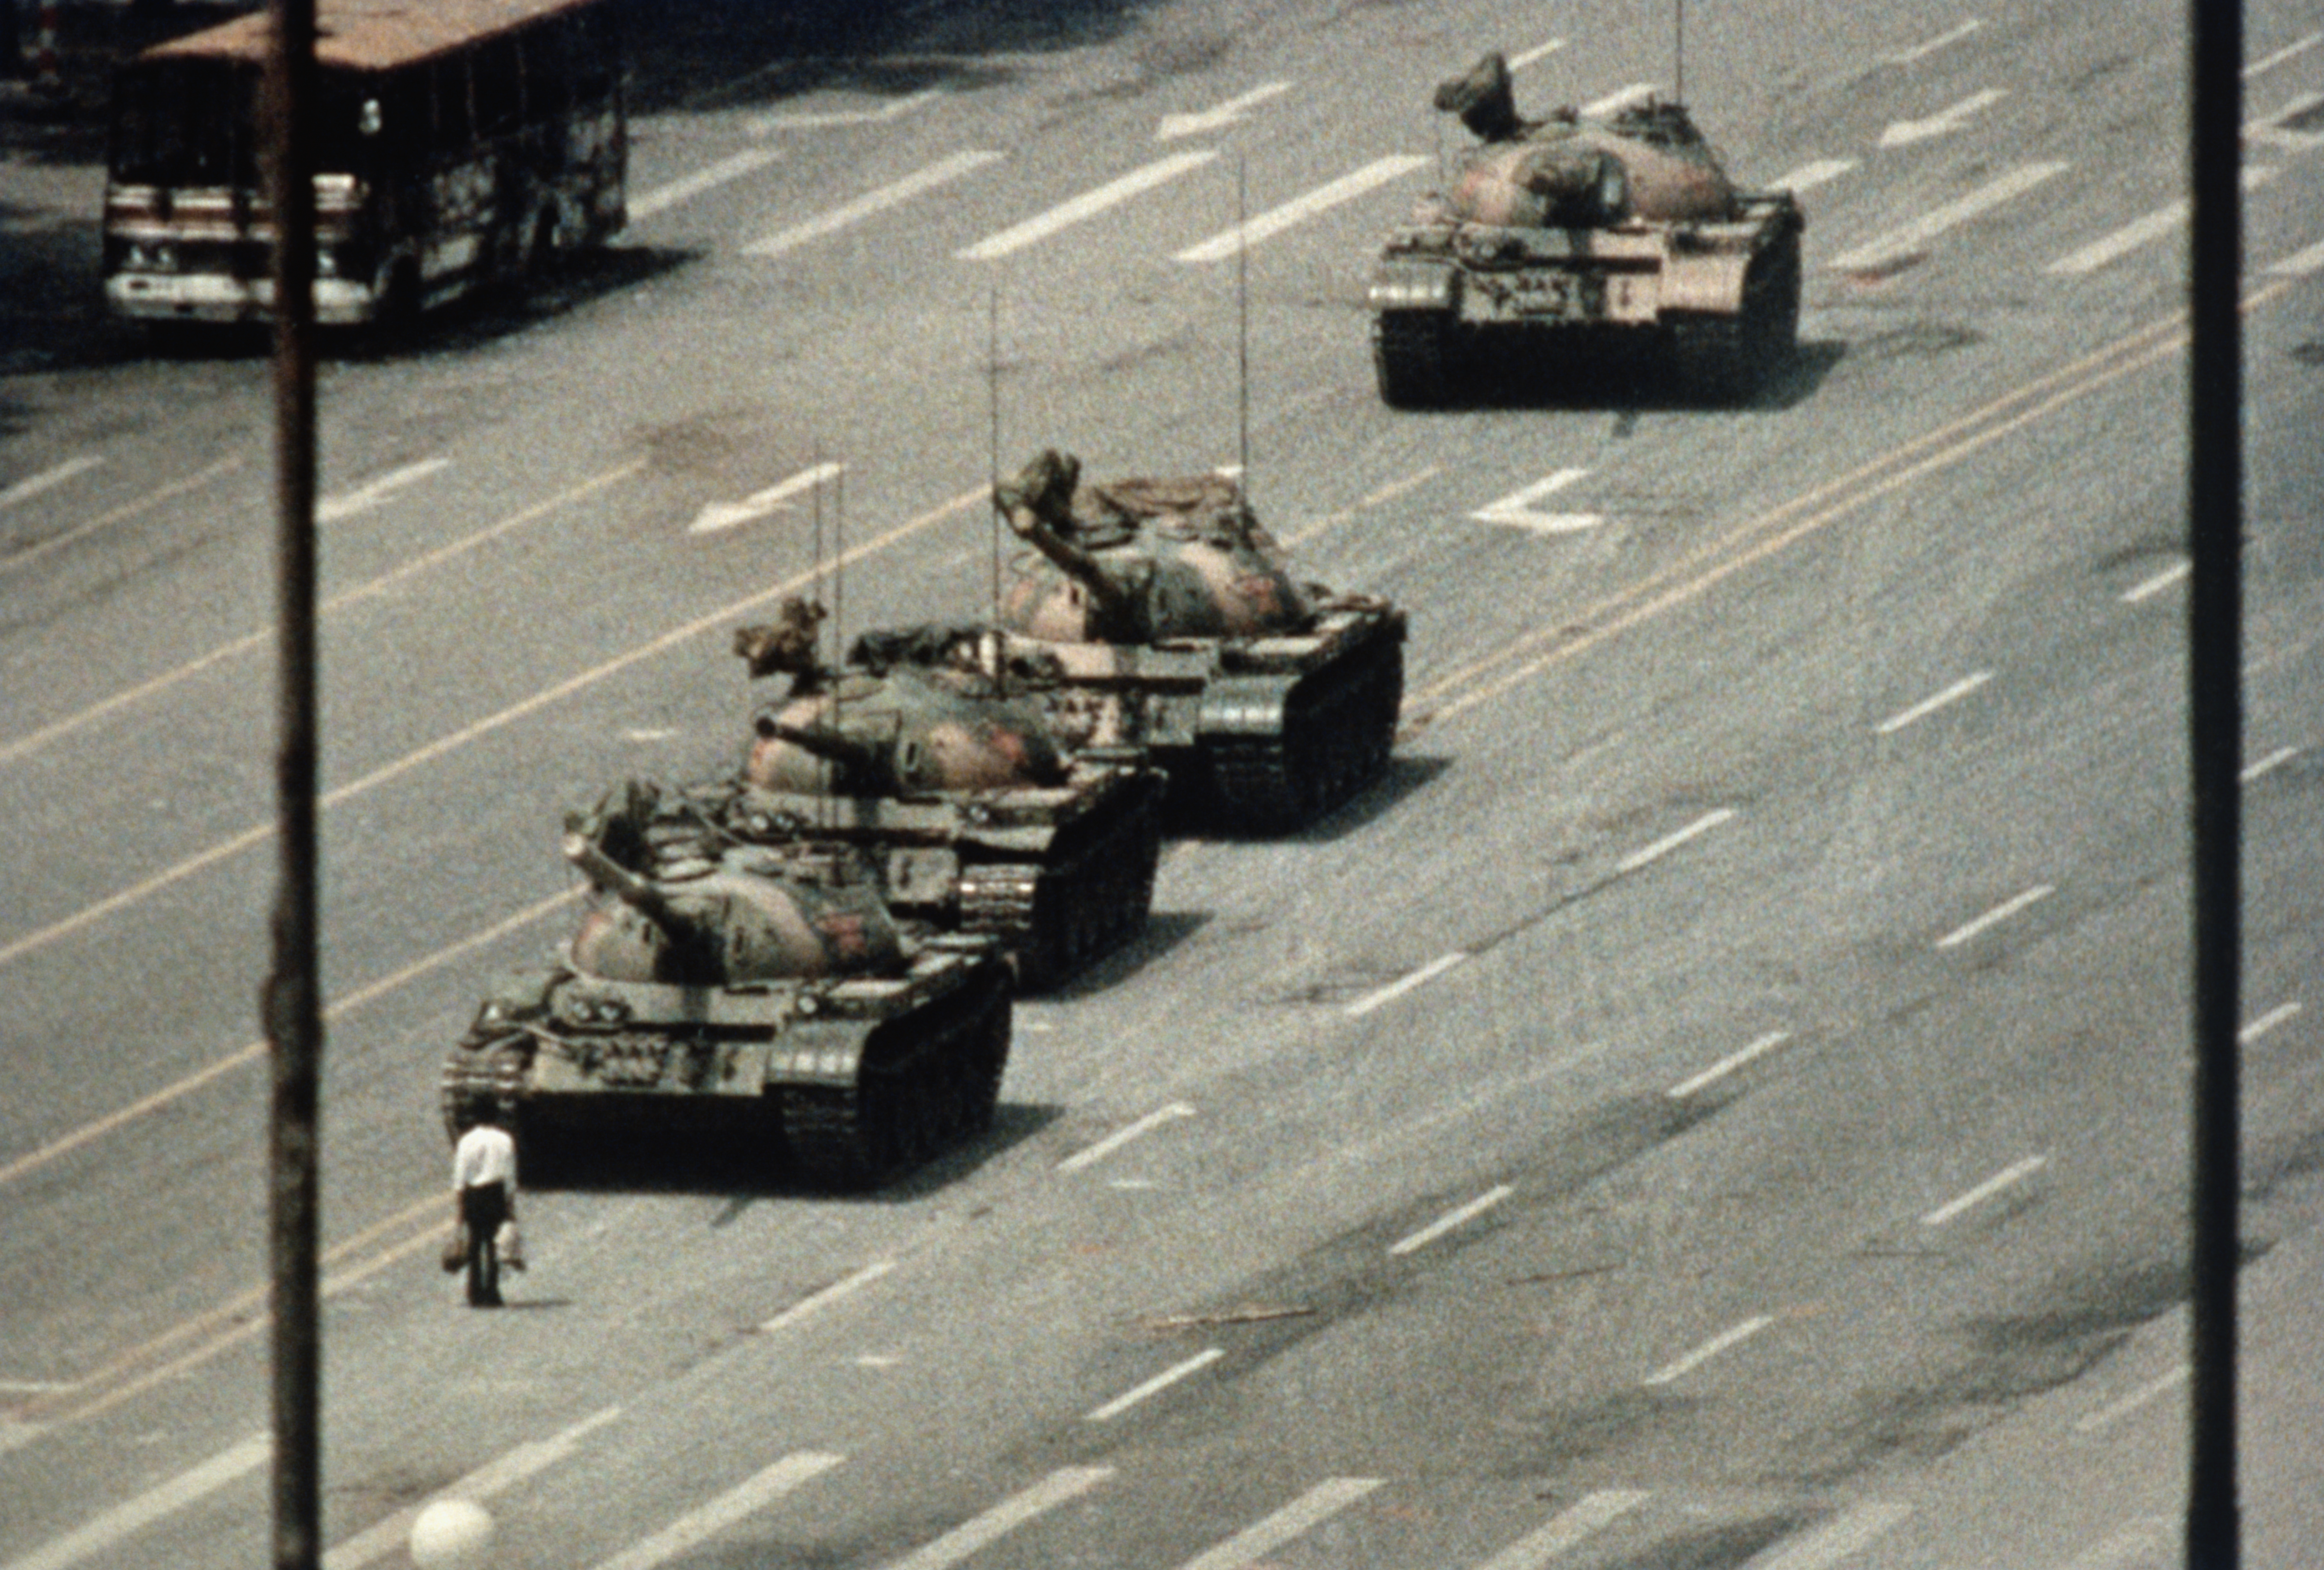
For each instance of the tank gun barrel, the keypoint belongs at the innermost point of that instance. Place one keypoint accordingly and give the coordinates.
(831, 746)
(641, 894)
(1038, 505)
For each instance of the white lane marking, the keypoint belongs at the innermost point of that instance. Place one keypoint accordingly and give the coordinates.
(2014, 1173)
(1452, 1218)
(1903, 241)
(648, 733)
(1620, 98)
(1086, 206)
(1518, 62)
(2145, 231)
(15, 1436)
(829, 1295)
(816, 119)
(2136, 1544)
(966, 1538)
(699, 1525)
(1999, 914)
(1930, 705)
(1809, 176)
(1670, 842)
(1727, 1065)
(2282, 1013)
(31, 485)
(2273, 761)
(1219, 116)
(35, 1387)
(1592, 1512)
(1321, 199)
(2157, 583)
(1516, 507)
(720, 515)
(1944, 122)
(1264, 1536)
(1710, 1349)
(2091, 1422)
(876, 1360)
(2270, 129)
(371, 493)
(2300, 263)
(2289, 52)
(128, 509)
(1398, 989)
(1155, 1386)
(1123, 1135)
(677, 190)
(942, 172)
(1943, 39)
(1851, 1531)
(495, 1477)
(126, 1521)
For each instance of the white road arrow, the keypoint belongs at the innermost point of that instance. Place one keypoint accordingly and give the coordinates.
(1517, 508)
(1173, 126)
(1944, 122)
(721, 515)
(365, 497)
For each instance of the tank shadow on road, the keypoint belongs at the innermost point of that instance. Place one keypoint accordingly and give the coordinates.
(1165, 931)
(1635, 382)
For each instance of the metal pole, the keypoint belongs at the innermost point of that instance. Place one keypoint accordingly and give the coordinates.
(290, 1003)
(2214, 749)
(1242, 325)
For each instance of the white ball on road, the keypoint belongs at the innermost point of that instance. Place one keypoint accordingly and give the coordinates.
(452, 1534)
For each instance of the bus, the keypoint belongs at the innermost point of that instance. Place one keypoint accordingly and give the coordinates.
(455, 142)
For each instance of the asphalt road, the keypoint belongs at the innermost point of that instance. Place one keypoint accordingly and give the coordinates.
(1720, 1101)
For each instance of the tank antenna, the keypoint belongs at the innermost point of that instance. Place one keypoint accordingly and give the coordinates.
(993, 447)
(1678, 62)
(1242, 328)
(815, 495)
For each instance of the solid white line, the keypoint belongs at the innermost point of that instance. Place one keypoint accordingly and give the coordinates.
(733, 166)
(1088, 205)
(1849, 1532)
(2282, 1013)
(1670, 842)
(1928, 706)
(1921, 51)
(1321, 199)
(2300, 263)
(1123, 1135)
(2107, 1415)
(1155, 1386)
(1452, 1218)
(829, 1295)
(2157, 583)
(495, 1477)
(2145, 231)
(2016, 1173)
(1710, 1349)
(1809, 176)
(2289, 52)
(1538, 51)
(701, 1524)
(1396, 989)
(1592, 1512)
(1727, 1065)
(24, 490)
(966, 1538)
(2273, 761)
(363, 497)
(942, 172)
(126, 1520)
(1264, 1536)
(1619, 98)
(2001, 913)
(1901, 240)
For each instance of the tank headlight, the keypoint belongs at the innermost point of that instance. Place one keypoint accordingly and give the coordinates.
(808, 1002)
(494, 1013)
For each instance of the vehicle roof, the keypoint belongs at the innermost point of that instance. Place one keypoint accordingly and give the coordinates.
(369, 35)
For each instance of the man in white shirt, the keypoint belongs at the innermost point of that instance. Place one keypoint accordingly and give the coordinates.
(483, 1194)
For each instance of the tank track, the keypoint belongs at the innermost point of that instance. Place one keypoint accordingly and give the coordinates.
(903, 1109)
(1338, 728)
(1054, 919)
(1413, 358)
(1726, 356)
(495, 1071)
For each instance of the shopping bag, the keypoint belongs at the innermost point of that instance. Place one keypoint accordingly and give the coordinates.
(509, 1244)
(455, 1249)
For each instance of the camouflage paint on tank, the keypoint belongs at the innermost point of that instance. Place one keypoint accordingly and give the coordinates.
(902, 732)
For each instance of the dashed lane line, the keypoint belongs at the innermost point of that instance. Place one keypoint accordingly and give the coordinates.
(2115, 1411)
(663, 198)
(1650, 854)
(387, 1535)
(1810, 175)
(825, 119)
(2145, 231)
(2268, 765)
(1155, 1386)
(1086, 206)
(1907, 238)
(1846, 1535)
(1302, 1515)
(1946, 40)
(1121, 1136)
(2300, 263)
(2154, 585)
(48, 478)
(942, 172)
(2009, 1177)
(1381, 497)
(1585, 1517)
(1460, 1216)
(1995, 916)
(126, 1520)
(2282, 1014)
(1930, 705)
(1679, 1367)
(1727, 1065)
(122, 514)
(375, 491)
(1321, 199)
(1525, 57)
(1398, 987)
(816, 1302)
(1620, 98)
(970, 1537)
(1944, 122)
(2290, 51)
(717, 517)
(746, 1499)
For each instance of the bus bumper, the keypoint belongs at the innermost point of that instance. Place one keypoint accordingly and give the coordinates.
(210, 298)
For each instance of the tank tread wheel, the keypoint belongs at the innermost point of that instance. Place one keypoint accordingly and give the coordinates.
(901, 1111)
(1338, 727)
(1055, 919)
(1413, 359)
(1726, 356)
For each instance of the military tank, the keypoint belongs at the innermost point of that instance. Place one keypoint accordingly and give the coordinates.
(976, 818)
(757, 992)
(1157, 614)
(1588, 229)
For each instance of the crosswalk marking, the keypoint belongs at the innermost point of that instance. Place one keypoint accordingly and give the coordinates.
(1323, 198)
(1264, 1536)
(699, 1525)
(1066, 1483)
(1086, 206)
(1589, 1514)
(1907, 238)
(1846, 1533)
(944, 172)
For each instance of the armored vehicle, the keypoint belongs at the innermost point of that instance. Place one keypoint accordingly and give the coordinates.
(974, 817)
(1585, 229)
(761, 992)
(1158, 615)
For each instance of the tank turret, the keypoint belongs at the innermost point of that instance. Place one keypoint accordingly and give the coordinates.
(903, 731)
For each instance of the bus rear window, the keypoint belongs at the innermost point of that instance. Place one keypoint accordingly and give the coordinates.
(185, 122)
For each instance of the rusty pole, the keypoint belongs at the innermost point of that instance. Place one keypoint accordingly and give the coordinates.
(2215, 757)
(292, 1001)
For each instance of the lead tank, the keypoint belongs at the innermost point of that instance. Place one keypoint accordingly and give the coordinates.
(756, 992)
(974, 815)
(1157, 613)
(1622, 228)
